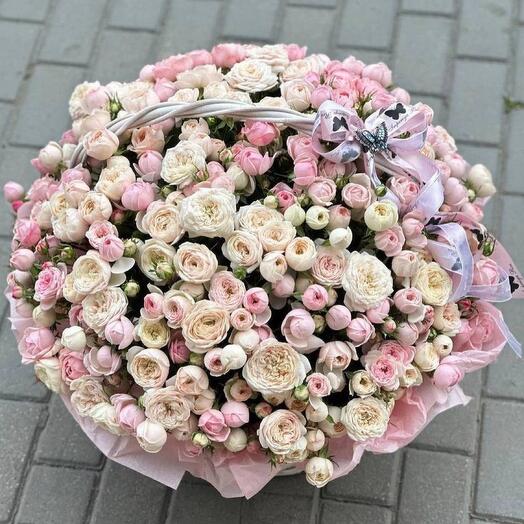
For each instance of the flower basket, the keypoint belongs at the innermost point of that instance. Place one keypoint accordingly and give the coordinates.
(252, 262)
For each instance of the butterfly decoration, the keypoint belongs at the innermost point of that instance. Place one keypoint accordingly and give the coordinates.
(374, 141)
(513, 284)
(339, 122)
(457, 266)
(396, 111)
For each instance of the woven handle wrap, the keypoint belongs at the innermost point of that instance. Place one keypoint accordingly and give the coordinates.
(203, 108)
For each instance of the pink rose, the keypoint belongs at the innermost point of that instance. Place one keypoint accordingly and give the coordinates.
(286, 198)
(200, 57)
(128, 414)
(213, 424)
(315, 297)
(170, 67)
(149, 166)
(72, 365)
(119, 332)
(318, 385)
(305, 171)
(360, 330)
(227, 55)
(299, 146)
(284, 287)
(338, 317)
(138, 196)
(336, 355)
(227, 290)
(406, 333)
(164, 89)
(260, 133)
(27, 232)
(13, 191)
(486, 273)
(339, 217)
(112, 248)
(98, 231)
(390, 241)
(236, 414)
(153, 306)
(384, 370)
(401, 95)
(320, 94)
(297, 326)
(405, 264)
(455, 193)
(252, 162)
(102, 361)
(147, 138)
(322, 192)
(379, 72)
(398, 351)
(295, 52)
(22, 259)
(256, 300)
(447, 375)
(413, 229)
(356, 196)
(100, 144)
(178, 351)
(241, 319)
(405, 189)
(408, 300)
(36, 343)
(49, 284)
(457, 165)
(378, 314)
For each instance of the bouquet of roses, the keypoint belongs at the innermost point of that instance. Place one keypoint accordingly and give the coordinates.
(251, 258)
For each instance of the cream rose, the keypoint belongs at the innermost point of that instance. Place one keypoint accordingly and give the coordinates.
(297, 93)
(283, 432)
(99, 308)
(275, 367)
(426, 357)
(198, 77)
(167, 407)
(69, 292)
(185, 95)
(434, 283)
(135, 96)
(115, 178)
(243, 249)
(162, 222)
(91, 273)
(182, 162)
(319, 471)
(87, 392)
(95, 206)
(367, 282)
(254, 217)
(273, 55)
(329, 266)
(362, 384)
(195, 263)
(301, 253)
(104, 415)
(205, 326)
(227, 290)
(70, 226)
(276, 236)
(251, 76)
(151, 254)
(152, 333)
(149, 367)
(49, 372)
(273, 267)
(381, 215)
(447, 319)
(209, 212)
(365, 418)
(151, 436)
(190, 380)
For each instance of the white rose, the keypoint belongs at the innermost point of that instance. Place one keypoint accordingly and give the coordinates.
(273, 267)
(167, 406)
(209, 212)
(300, 253)
(319, 471)
(205, 326)
(192, 126)
(367, 282)
(162, 222)
(69, 292)
(275, 367)
(252, 76)
(276, 236)
(340, 238)
(219, 89)
(412, 377)
(362, 384)
(44, 317)
(317, 412)
(283, 432)
(381, 215)
(49, 372)
(236, 441)
(447, 319)
(297, 69)
(297, 93)
(200, 76)
(77, 106)
(434, 283)
(365, 418)
(135, 96)
(317, 217)
(241, 180)
(233, 356)
(481, 181)
(50, 156)
(243, 249)
(153, 333)
(443, 345)
(100, 308)
(70, 226)
(182, 162)
(95, 206)
(115, 178)
(332, 425)
(74, 338)
(295, 214)
(87, 392)
(149, 367)
(426, 357)
(151, 254)
(58, 204)
(187, 95)
(195, 263)
(151, 436)
(255, 216)
(273, 55)
(91, 273)
(43, 216)
(104, 415)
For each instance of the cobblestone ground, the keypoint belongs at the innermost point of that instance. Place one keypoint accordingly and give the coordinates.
(460, 57)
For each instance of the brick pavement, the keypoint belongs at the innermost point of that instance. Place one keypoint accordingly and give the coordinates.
(462, 57)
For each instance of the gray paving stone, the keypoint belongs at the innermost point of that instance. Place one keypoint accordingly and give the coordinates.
(43, 114)
(64, 441)
(17, 380)
(436, 103)
(198, 502)
(511, 235)
(476, 108)
(71, 31)
(518, 87)
(123, 14)
(369, 56)
(16, 45)
(414, 33)
(501, 463)
(337, 512)
(55, 495)
(314, 24)
(267, 509)
(144, 500)
(19, 423)
(196, 29)
(251, 19)
(292, 486)
(374, 480)
(456, 429)
(489, 156)
(513, 181)
(323, 3)
(478, 17)
(34, 10)
(111, 64)
(478, 521)
(430, 6)
(435, 488)
(367, 23)
(5, 108)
